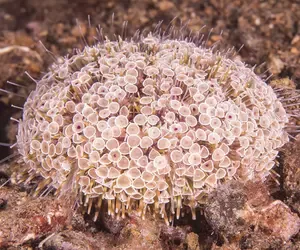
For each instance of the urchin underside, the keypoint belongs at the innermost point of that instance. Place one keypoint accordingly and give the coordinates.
(152, 124)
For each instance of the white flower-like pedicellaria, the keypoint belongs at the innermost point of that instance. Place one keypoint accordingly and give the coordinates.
(156, 123)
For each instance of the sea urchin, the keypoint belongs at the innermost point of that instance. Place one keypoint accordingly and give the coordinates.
(153, 124)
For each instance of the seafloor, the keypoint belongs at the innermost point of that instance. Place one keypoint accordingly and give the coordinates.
(265, 34)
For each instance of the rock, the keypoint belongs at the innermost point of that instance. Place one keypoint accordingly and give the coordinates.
(291, 173)
(79, 30)
(257, 194)
(137, 234)
(111, 224)
(13, 197)
(252, 41)
(2, 203)
(78, 222)
(165, 5)
(294, 202)
(247, 213)
(277, 220)
(295, 51)
(140, 234)
(192, 241)
(16, 59)
(5, 172)
(226, 246)
(36, 28)
(276, 64)
(296, 40)
(173, 236)
(284, 83)
(73, 240)
(292, 244)
(224, 210)
(33, 218)
(258, 241)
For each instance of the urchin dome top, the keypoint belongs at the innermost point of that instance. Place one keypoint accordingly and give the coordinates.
(158, 121)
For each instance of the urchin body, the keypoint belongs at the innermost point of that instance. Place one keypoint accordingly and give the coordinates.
(152, 124)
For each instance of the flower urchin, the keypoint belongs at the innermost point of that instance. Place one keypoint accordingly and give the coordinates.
(151, 124)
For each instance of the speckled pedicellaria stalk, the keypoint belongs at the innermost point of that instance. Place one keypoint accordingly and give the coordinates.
(149, 125)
